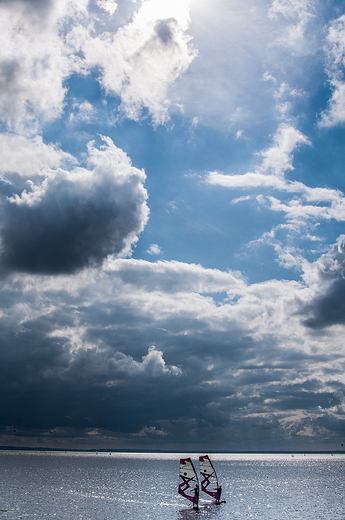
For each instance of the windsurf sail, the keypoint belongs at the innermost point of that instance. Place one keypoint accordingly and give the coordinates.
(188, 481)
(209, 481)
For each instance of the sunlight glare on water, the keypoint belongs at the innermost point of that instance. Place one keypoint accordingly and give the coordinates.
(118, 486)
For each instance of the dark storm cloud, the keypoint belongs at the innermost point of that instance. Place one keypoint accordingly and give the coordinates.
(59, 380)
(91, 354)
(76, 220)
(62, 233)
(43, 384)
(328, 307)
(333, 424)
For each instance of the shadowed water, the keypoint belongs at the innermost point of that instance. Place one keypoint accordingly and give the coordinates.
(118, 486)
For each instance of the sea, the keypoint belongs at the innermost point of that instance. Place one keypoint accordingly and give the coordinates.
(38, 485)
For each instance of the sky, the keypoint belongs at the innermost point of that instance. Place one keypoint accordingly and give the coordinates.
(172, 240)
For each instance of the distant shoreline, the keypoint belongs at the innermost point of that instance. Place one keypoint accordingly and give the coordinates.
(103, 450)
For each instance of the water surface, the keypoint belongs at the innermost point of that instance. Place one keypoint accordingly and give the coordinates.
(118, 486)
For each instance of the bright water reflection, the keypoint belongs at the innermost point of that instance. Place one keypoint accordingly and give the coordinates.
(104, 486)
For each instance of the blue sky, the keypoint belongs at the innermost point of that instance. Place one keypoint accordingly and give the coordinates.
(172, 224)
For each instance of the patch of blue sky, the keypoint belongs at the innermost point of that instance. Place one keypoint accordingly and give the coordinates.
(82, 119)
(189, 220)
(199, 224)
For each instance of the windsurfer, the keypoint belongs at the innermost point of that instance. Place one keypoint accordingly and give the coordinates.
(219, 492)
(196, 497)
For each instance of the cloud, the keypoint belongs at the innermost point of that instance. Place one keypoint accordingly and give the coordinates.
(217, 363)
(327, 306)
(108, 5)
(306, 204)
(277, 159)
(154, 249)
(150, 430)
(75, 218)
(30, 156)
(302, 207)
(90, 362)
(224, 85)
(299, 13)
(84, 113)
(39, 7)
(291, 8)
(176, 276)
(34, 60)
(335, 52)
(276, 162)
(129, 353)
(143, 58)
(241, 199)
(44, 43)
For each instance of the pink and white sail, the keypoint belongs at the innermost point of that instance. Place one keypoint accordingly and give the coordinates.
(188, 481)
(209, 481)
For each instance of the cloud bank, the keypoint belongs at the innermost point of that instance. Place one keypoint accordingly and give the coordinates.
(221, 366)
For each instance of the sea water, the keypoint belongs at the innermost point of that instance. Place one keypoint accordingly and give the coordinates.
(121, 486)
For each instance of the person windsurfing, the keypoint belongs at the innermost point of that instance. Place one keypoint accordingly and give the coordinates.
(196, 497)
(219, 492)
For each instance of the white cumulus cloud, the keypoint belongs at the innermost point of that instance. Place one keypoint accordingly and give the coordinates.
(143, 58)
(335, 52)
